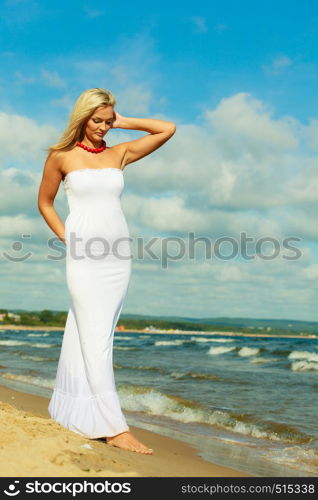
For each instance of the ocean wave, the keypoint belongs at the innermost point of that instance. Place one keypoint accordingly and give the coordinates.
(43, 346)
(248, 351)
(205, 339)
(29, 379)
(310, 356)
(38, 334)
(220, 350)
(175, 375)
(171, 342)
(260, 360)
(142, 368)
(304, 366)
(125, 348)
(296, 457)
(153, 402)
(120, 337)
(34, 358)
(193, 375)
(12, 343)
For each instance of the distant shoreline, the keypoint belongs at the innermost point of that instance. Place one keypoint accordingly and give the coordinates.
(164, 332)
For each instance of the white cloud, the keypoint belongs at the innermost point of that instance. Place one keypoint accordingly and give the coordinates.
(50, 78)
(22, 79)
(200, 24)
(303, 188)
(281, 62)
(312, 134)
(93, 13)
(53, 79)
(11, 226)
(65, 101)
(21, 138)
(277, 65)
(134, 99)
(244, 118)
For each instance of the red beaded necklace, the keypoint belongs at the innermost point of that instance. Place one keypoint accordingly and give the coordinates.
(92, 150)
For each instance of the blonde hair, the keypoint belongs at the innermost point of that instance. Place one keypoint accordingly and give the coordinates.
(84, 107)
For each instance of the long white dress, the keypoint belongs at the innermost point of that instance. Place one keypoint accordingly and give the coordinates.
(98, 270)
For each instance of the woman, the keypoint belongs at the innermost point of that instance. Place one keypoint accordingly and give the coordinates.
(98, 260)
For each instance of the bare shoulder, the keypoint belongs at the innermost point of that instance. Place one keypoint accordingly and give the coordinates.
(58, 159)
(54, 163)
(54, 158)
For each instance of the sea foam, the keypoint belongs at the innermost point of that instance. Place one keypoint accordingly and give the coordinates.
(220, 350)
(248, 351)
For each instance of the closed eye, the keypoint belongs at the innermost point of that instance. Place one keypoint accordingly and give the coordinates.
(98, 121)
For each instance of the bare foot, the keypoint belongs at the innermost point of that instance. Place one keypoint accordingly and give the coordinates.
(127, 441)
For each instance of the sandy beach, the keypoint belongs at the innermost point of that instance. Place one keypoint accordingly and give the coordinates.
(32, 444)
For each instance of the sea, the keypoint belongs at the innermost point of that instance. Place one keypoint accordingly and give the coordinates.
(249, 403)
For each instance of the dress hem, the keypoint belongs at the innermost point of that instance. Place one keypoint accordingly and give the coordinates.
(77, 413)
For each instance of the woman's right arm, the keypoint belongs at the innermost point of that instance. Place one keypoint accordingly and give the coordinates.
(49, 186)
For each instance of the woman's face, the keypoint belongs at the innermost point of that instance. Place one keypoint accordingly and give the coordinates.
(99, 123)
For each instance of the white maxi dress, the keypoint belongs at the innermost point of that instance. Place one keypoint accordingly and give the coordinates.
(98, 270)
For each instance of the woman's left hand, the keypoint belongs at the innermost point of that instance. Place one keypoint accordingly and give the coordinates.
(117, 120)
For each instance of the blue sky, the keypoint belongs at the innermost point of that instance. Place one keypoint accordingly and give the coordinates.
(238, 78)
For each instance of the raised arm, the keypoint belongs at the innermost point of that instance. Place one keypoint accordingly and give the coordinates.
(49, 186)
(160, 131)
